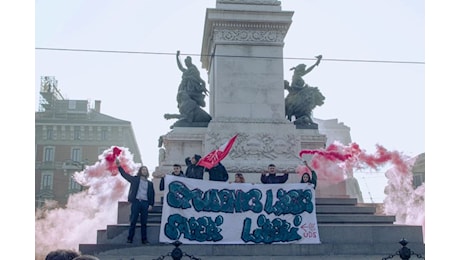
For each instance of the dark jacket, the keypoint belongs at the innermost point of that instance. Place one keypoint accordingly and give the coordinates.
(135, 180)
(272, 178)
(218, 173)
(162, 182)
(194, 171)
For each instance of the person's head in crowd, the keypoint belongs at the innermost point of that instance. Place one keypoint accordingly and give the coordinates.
(239, 178)
(271, 168)
(143, 172)
(305, 178)
(86, 257)
(177, 169)
(195, 158)
(62, 254)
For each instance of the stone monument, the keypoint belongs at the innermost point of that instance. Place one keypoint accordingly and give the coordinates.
(243, 55)
(242, 52)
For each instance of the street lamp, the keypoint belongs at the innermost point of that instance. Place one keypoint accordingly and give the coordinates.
(405, 252)
(177, 253)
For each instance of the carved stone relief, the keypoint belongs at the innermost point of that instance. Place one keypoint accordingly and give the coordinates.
(258, 146)
(273, 36)
(259, 2)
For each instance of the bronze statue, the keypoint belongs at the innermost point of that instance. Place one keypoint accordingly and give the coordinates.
(190, 97)
(302, 99)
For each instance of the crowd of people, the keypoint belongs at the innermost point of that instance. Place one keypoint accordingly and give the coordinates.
(219, 173)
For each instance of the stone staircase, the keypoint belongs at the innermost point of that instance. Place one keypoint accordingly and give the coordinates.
(348, 230)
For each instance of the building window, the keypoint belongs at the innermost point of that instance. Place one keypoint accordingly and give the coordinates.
(76, 133)
(49, 134)
(417, 181)
(75, 154)
(47, 181)
(49, 154)
(73, 185)
(104, 134)
(72, 104)
(101, 150)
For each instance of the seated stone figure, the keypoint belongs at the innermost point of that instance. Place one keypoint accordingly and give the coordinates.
(191, 115)
(190, 97)
(302, 99)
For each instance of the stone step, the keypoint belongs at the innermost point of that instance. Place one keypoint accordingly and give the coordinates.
(335, 240)
(346, 229)
(329, 233)
(117, 234)
(329, 217)
(134, 252)
(344, 206)
(364, 251)
(336, 201)
(354, 219)
(344, 209)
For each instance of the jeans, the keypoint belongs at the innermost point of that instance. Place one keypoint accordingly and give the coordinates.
(138, 207)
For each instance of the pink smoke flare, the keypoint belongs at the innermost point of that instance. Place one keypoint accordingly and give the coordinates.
(87, 211)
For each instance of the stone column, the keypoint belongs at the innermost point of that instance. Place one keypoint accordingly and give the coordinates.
(242, 51)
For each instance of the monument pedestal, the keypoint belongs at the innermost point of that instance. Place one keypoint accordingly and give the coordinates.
(258, 144)
(177, 144)
(331, 190)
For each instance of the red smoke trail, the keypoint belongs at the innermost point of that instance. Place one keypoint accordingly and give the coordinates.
(86, 211)
(330, 153)
(110, 160)
(337, 161)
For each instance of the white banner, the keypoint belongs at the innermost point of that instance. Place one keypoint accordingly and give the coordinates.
(212, 212)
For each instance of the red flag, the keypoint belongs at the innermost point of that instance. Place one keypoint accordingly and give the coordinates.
(110, 158)
(214, 157)
(115, 152)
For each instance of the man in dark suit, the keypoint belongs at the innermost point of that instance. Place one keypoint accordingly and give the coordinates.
(142, 196)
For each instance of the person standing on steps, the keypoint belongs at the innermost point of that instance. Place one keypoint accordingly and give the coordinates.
(239, 178)
(177, 171)
(270, 176)
(218, 173)
(141, 196)
(60, 254)
(306, 178)
(193, 170)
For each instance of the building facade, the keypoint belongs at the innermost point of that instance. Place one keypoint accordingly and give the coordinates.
(418, 170)
(70, 134)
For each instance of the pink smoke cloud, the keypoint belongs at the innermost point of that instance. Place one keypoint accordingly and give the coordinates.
(96, 207)
(86, 211)
(337, 161)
